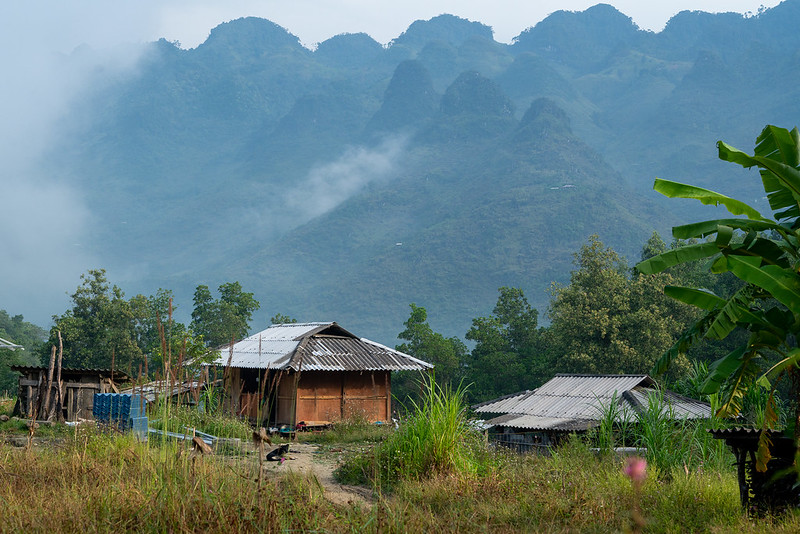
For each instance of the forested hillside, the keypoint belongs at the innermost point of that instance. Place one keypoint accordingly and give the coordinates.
(344, 182)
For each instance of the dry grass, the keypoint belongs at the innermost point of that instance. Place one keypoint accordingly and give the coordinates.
(111, 483)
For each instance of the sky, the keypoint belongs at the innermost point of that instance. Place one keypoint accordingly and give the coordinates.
(42, 221)
(64, 25)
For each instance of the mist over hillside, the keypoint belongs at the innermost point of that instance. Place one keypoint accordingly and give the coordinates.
(345, 182)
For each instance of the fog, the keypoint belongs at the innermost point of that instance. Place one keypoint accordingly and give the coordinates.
(43, 219)
(328, 185)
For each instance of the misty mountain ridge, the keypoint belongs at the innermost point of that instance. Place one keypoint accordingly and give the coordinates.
(348, 181)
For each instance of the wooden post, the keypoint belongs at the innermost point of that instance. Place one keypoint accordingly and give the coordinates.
(342, 406)
(374, 394)
(60, 398)
(29, 406)
(388, 397)
(71, 404)
(48, 412)
(37, 405)
(295, 396)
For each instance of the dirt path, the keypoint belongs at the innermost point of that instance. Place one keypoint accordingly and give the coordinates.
(307, 458)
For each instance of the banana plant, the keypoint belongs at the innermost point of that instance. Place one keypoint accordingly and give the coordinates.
(762, 251)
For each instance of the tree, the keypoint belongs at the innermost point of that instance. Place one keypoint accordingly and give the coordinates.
(446, 354)
(279, 318)
(507, 356)
(162, 338)
(762, 252)
(23, 333)
(222, 320)
(608, 320)
(100, 327)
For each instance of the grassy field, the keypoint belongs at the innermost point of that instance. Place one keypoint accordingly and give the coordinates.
(422, 478)
(111, 483)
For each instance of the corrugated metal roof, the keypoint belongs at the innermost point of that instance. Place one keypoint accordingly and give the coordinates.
(533, 422)
(502, 404)
(592, 386)
(118, 375)
(315, 346)
(682, 407)
(160, 388)
(570, 398)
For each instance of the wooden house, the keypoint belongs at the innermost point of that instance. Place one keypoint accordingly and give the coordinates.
(78, 387)
(315, 373)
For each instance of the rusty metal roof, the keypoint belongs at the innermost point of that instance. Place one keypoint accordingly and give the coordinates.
(120, 376)
(314, 346)
(575, 402)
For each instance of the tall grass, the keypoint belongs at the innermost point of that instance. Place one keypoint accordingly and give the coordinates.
(615, 428)
(670, 443)
(674, 442)
(434, 438)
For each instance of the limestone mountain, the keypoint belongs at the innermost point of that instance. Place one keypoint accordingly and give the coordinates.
(346, 181)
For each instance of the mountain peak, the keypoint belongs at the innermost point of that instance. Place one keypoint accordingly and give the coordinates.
(251, 33)
(348, 49)
(409, 98)
(545, 118)
(580, 38)
(472, 93)
(448, 28)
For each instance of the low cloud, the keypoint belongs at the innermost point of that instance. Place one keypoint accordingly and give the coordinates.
(43, 217)
(327, 186)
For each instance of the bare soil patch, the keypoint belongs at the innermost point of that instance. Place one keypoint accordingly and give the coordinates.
(310, 458)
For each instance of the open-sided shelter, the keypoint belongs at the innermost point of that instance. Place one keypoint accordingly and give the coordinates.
(77, 389)
(575, 403)
(311, 372)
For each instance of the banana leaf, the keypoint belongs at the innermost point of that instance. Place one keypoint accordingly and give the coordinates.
(782, 284)
(676, 256)
(779, 144)
(736, 311)
(739, 381)
(792, 358)
(721, 370)
(710, 198)
(701, 298)
(763, 456)
(705, 228)
(781, 180)
(685, 341)
(768, 250)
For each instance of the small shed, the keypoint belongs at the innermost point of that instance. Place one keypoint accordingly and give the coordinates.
(575, 403)
(314, 373)
(78, 387)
